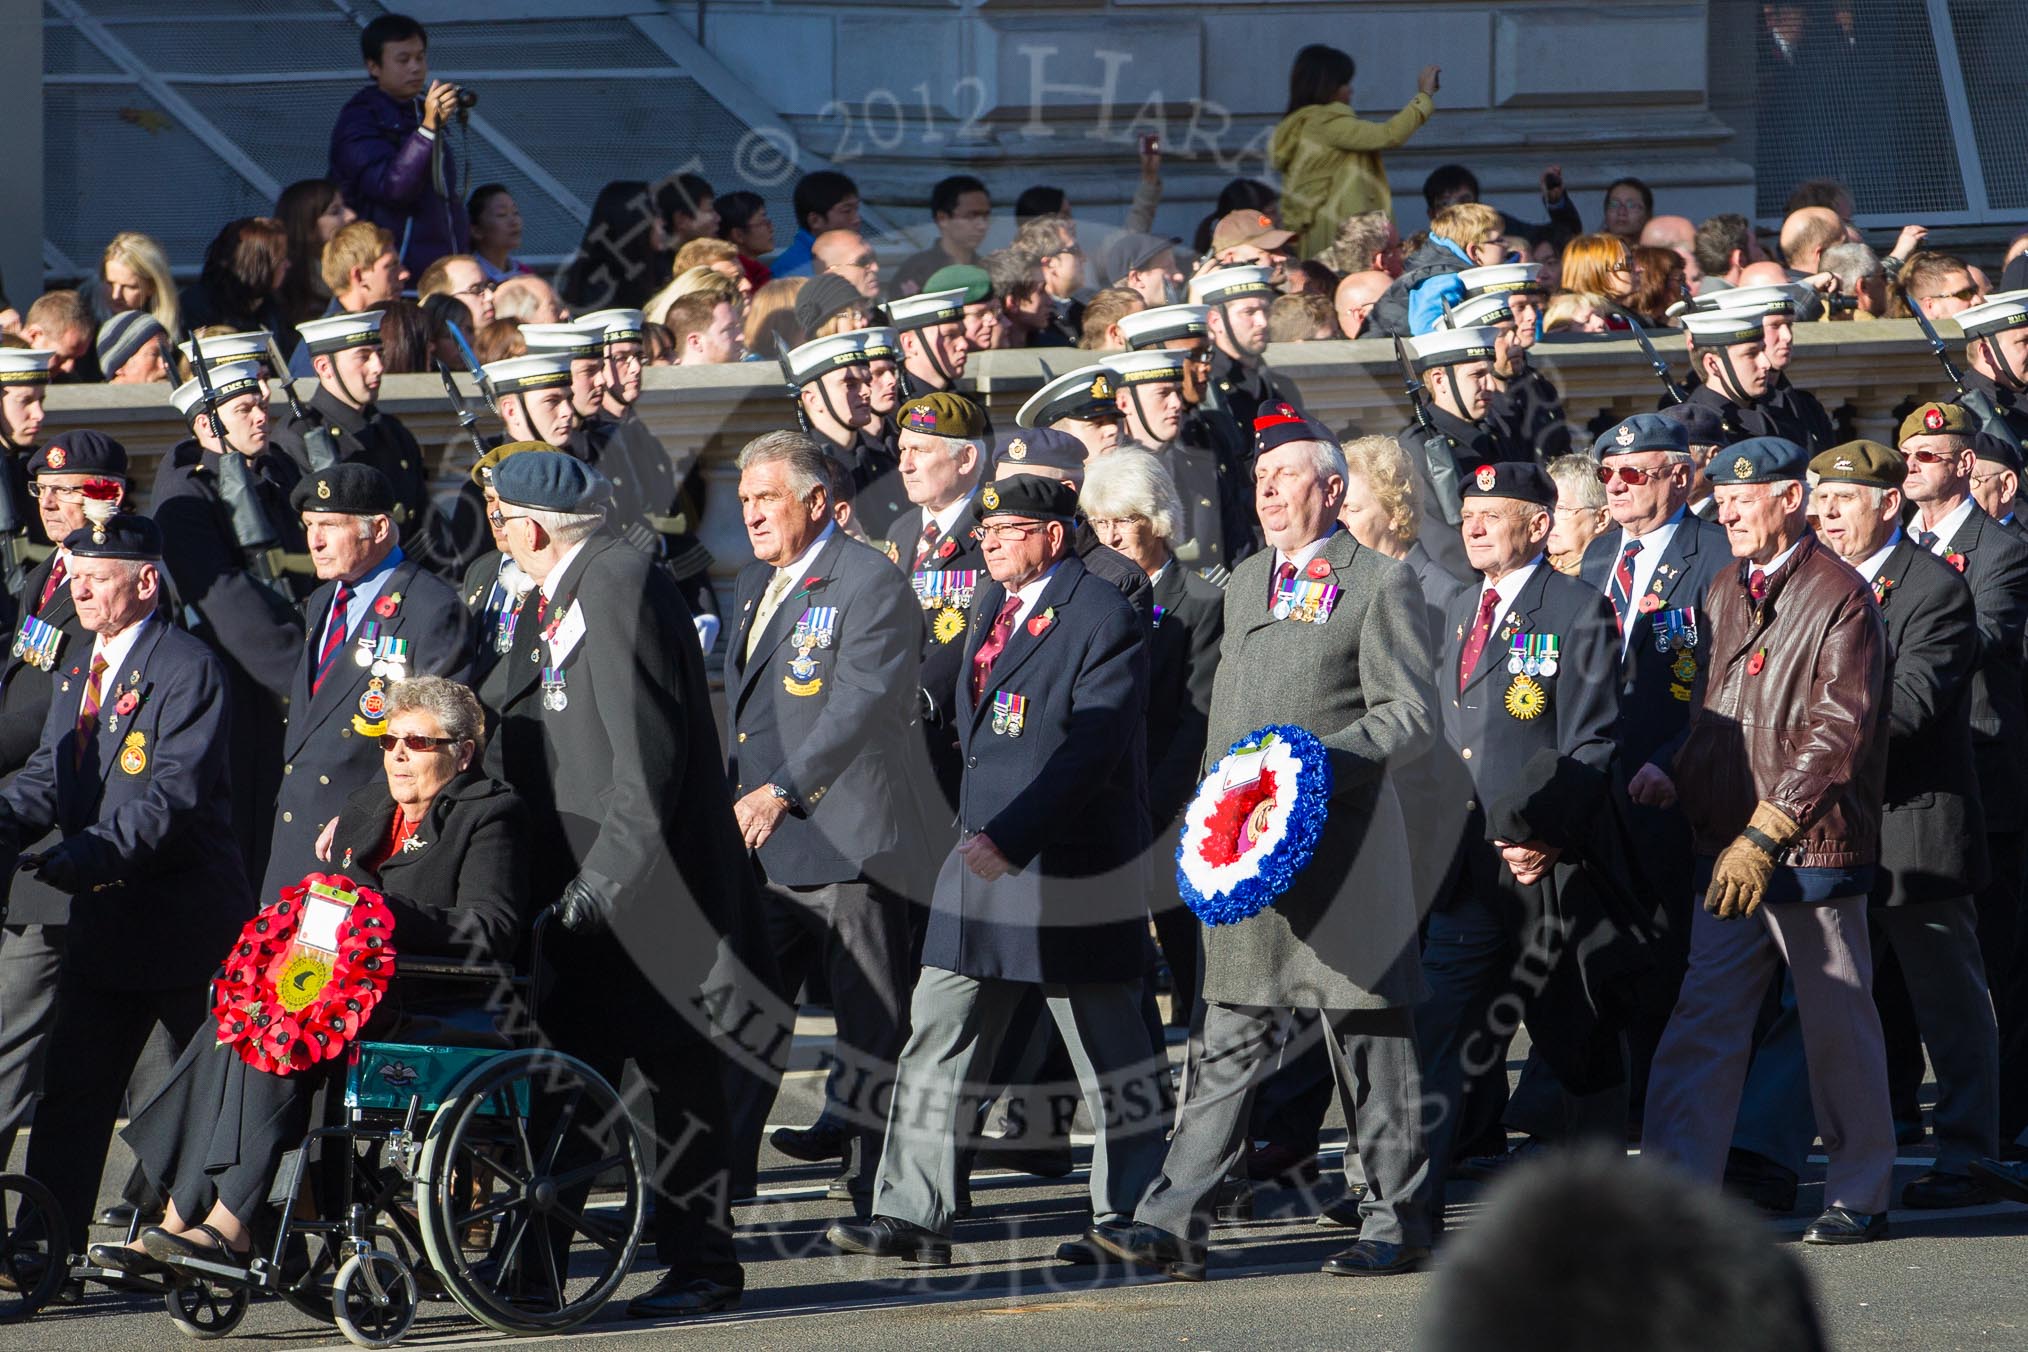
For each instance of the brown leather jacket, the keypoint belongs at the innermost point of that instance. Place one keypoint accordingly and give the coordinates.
(1804, 730)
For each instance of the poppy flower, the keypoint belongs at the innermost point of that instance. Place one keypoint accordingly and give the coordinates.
(1756, 662)
(1319, 569)
(386, 606)
(127, 704)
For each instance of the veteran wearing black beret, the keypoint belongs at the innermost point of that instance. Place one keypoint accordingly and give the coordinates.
(378, 617)
(1527, 675)
(132, 761)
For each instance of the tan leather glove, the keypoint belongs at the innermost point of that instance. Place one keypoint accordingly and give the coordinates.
(1739, 879)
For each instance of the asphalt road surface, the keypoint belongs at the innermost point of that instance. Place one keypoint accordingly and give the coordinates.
(1949, 1280)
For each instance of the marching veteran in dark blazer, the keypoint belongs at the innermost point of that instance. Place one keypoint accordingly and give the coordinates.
(49, 632)
(447, 849)
(1352, 669)
(1132, 506)
(603, 724)
(1781, 772)
(821, 687)
(1530, 661)
(1932, 842)
(131, 770)
(1046, 886)
(379, 618)
(1654, 569)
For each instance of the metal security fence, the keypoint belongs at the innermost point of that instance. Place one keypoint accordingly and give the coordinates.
(175, 119)
(1915, 105)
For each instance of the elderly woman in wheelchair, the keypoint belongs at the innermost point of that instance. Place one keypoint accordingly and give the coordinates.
(443, 844)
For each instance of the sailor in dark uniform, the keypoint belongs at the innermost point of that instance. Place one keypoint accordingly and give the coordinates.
(1238, 298)
(345, 353)
(1150, 395)
(1525, 404)
(1728, 348)
(1456, 366)
(1996, 350)
(1798, 414)
(830, 377)
(1187, 329)
(1079, 402)
(933, 346)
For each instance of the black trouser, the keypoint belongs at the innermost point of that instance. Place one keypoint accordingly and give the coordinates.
(604, 1012)
(94, 1043)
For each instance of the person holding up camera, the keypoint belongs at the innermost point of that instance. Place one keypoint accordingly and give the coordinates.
(389, 155)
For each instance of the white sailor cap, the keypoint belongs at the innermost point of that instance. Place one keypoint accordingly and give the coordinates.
(1220, 285)
(1086, 394)
(1996, 313)
(536, 371)
(221, 348)
(1448, 347)
(1779, 300)
(228, 381)
(335, 333)
(617, 325)
(926, 308)
(1148, 367)
(880, 344)
(579, 341)
(1525, 278)
(25, 365)
(1151, 328)
(1491, 307)
(1722, 328)
(810, 361)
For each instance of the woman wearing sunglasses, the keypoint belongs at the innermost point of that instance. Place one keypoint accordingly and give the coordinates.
(443, 844)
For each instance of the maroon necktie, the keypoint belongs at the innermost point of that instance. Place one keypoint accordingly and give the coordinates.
(1482, 629)
(1283, 576)
(55, 580)
(1756, 585)
(334, 637)
(925, 551)
(989, 651)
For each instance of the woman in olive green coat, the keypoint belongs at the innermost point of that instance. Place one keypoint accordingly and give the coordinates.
(1329, 160)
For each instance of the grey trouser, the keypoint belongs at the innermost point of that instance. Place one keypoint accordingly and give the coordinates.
(1700, 1066)
(956, 1024)
(1241, 1045)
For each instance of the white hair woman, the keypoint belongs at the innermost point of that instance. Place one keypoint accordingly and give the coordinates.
(1580, 513)
(1132, 505)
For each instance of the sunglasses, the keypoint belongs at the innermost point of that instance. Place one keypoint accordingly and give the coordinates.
(1930, 457)
(1630, 474)
(414, 741)
(500, 519)
(1964, 293)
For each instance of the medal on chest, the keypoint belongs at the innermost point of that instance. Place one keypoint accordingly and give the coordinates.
(371, 720)
(1305, 600)
(1676, 630)
(945, 597)
(554, 697)
(36, 643)
(814, 630)
(1532, 655)
(1010, 713)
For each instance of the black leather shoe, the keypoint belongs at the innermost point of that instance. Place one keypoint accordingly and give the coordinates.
(120, 1215)
(1840, 1226)
(1152, 1247)
(812, 1144)
(125, 1261)
(1759, 1180)
(2007, 1179)
(1936, 1191)
(673, 1297)
(886, 1237)
(1376, 1258)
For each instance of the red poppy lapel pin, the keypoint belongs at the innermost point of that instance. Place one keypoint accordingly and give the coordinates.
(1882, 586)
(1955, 560)
(1319, 569)
(387, 606)
(1041, 623)
(127, 703)
(1756, 662)
(947, 548)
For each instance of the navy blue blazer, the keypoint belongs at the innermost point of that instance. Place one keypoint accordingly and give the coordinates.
(840, 739)
(1996, 569)
(1652, 713)
(325, 759)
(24, 705)
(1064, 801)
(144, 818)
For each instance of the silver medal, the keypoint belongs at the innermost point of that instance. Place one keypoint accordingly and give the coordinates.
(1548, 666)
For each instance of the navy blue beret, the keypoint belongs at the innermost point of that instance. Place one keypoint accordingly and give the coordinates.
(80, 452)
(1522, 480)
(1026, 495)
(548, 481)
(1643, 432)
(1042, 446)
(1758, 460)
(123, 537)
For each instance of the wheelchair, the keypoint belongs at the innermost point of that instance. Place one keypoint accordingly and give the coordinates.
(488, 1205)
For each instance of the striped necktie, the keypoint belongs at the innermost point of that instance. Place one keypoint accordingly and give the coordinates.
(1621, 593)
(88, 712)
(334, 637)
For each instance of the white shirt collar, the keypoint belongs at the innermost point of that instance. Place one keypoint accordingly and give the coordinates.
(1777, 561)
(947, 519)
(115, 650)
(1509, 587)
(1301, 558)
(1948, 528)
(802, 562)
(549, 583)
(1032, 593)
(1870, 566)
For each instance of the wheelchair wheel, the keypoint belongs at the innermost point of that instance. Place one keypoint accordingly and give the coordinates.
(205, 1309)
(521, 1141)
(373, 1299)
(31, 1247)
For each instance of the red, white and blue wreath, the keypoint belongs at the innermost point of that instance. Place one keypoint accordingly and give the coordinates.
(1254, 824)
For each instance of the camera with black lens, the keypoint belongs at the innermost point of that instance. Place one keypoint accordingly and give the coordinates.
(467, 98)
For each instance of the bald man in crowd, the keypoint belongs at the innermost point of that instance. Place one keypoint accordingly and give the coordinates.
(847, 253)
(1355, 297)
(1806, 233)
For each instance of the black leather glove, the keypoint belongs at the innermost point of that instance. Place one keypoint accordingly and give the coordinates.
(581, 910)
(59, 868)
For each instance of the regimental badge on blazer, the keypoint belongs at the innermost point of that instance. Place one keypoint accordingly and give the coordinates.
(134, 753)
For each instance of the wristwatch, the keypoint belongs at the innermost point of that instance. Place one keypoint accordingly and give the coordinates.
(783, 796)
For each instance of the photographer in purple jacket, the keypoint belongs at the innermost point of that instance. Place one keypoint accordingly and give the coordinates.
(389, 154)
